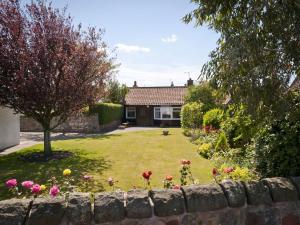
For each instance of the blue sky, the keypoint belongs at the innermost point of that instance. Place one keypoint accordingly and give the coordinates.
(151, 42)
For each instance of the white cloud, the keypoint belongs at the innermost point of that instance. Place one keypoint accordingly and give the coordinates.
(131, 48)
(173, 38)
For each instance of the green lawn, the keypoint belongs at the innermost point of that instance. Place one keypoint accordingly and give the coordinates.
(122, 156)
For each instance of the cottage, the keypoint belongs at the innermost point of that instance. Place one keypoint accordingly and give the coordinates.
(155, 106)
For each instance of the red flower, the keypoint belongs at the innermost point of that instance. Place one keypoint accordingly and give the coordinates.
(147, 174)
(185, 162)
(169, 178)
(176, 187)
(228, 170)
(215, 172)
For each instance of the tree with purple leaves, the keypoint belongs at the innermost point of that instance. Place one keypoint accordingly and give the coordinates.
(49, 68)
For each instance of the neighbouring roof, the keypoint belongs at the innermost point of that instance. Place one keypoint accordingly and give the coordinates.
(156, 96)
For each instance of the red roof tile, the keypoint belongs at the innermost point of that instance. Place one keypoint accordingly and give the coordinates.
(155, 96)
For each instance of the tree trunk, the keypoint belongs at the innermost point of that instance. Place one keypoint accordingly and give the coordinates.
(47, 143)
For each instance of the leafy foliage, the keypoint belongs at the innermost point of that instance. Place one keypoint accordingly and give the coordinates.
(192, 115)
(213, 118)
(222, 144)
(278, 149)
(258, 49)
(108, 112)
(235, 173)
(48, 68)
(115, 92)
(238, 127)
(202, 93)
(205, 150)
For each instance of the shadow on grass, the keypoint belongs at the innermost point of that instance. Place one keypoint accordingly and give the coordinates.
(67, 136)
(11, 166)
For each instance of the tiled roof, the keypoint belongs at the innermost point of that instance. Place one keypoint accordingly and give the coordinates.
(155, 96)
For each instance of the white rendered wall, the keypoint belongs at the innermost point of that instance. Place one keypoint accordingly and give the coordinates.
(9, 128)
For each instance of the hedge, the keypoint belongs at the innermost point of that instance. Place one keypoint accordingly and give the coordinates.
(107, 112)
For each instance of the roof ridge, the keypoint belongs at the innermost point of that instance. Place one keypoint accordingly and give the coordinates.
(158, 87)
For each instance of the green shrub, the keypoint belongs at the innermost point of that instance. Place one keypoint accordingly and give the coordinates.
(213, 118)
(238, 127)
(277, 149)
(107, 112)
(205, 150)
(191, 115)
(236, 173)
(203, 93)
(222, 144)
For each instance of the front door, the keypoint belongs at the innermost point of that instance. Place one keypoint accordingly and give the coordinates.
(144, 116)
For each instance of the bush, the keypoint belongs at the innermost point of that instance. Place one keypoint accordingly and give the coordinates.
(213, 118)
(192, 115)
(238, 127)
(203, 93)
(277, 149)
(236, 173)
(222, 144)
(205, 150)
(107, 112)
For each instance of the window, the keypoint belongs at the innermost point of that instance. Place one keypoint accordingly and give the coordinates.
(156, 113)
(167, 113)
(130, 113)
(176, 113)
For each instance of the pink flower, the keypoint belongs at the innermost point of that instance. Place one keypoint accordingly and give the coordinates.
(11, 183)
(54, 190)
(110, 181)
(176, 187)
(87, 177)
(27, 184)
(36, 189)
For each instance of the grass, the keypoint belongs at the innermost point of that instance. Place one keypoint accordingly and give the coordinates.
(122, 156)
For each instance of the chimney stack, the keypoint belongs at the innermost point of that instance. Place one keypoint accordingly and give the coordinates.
(135, 84)
(190, 82)
(172, 84)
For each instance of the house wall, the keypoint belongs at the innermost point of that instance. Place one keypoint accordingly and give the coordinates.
(145, 117)
(80, 123)
(9, 128)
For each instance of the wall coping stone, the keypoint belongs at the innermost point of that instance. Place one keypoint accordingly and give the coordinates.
(167, 202)
(48, 211)
(138, 204)
(14, 211)
(281, 189)
(203, 198)
(270, 201)
(234, 192)
(109, 207)
(296, 182)
(257, 193)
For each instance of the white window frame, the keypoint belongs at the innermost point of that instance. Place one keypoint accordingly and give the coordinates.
(130, 109)
(160, 107)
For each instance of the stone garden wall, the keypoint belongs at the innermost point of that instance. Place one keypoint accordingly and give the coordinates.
(81, 124)
(272, 201)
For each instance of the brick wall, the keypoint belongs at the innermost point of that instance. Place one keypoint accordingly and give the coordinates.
(81, 124)
(272, 201)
